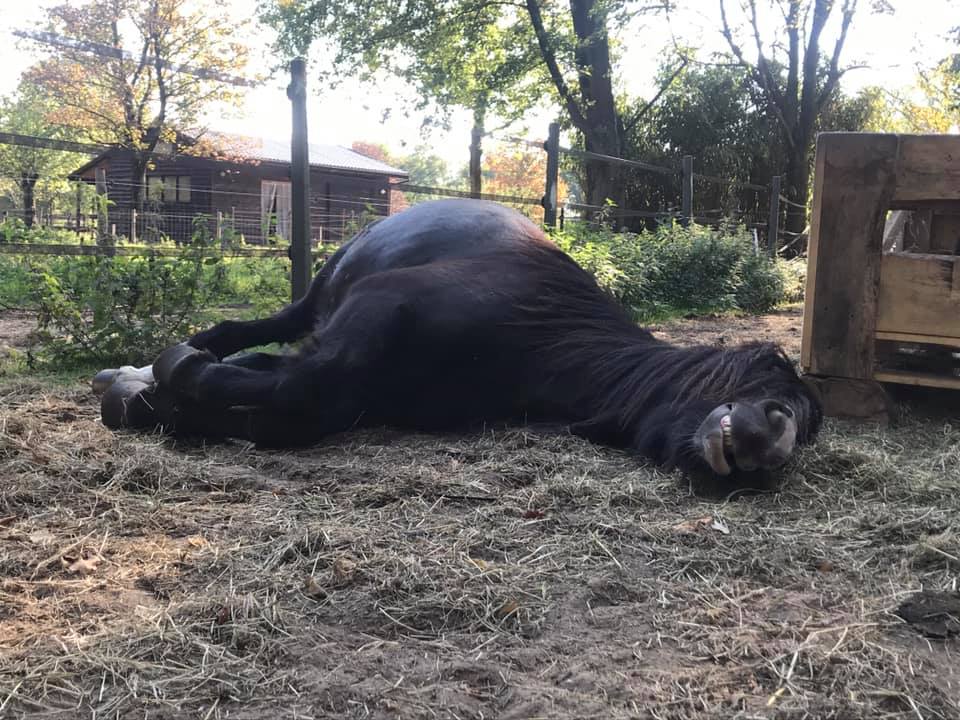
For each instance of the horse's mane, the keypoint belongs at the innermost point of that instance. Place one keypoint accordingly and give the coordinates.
(590, 351)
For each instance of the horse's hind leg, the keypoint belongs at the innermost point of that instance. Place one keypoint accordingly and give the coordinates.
(324, 391)
(131, 399)
(264, 427)
(292, 323)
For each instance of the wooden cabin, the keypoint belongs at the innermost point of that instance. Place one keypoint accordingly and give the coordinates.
(241, 186)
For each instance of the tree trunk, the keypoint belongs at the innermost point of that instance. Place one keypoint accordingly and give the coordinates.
(476, 153)
(139, 189)
(28, 183)
(797, 187)
(604, 182)
(601, 133)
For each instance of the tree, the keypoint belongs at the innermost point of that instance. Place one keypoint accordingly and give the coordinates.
(422, 166)
(796, 89)
(178, 64)
(486, 55)
(894, 110)
(714, 112)
(32, 169)
(520, 172)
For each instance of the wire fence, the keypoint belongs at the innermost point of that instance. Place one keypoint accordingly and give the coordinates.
(651, 194)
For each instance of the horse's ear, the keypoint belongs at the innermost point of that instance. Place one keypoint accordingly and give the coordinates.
(604, 429)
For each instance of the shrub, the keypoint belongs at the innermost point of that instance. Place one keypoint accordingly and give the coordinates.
(119, 310)
(677, 270)
(760, 285)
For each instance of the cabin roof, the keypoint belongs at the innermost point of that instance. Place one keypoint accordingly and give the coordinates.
(333, 157)
(321, 155)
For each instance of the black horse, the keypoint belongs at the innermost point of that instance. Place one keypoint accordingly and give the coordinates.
(458, 311)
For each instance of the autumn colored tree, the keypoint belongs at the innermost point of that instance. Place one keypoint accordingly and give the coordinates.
(138, 73)
(931, 105)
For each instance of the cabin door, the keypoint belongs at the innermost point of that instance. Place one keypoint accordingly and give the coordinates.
(276, 207)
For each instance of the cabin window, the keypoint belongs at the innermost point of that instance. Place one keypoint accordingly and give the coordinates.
(275, 208)
(168, 188)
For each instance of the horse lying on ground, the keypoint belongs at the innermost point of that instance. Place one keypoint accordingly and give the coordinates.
(462, 311)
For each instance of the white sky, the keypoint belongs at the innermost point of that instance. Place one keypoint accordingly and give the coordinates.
(892, 46)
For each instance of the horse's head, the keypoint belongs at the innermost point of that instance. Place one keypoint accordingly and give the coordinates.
(747, 436)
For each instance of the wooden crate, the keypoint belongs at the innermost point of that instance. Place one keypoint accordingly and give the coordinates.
(871, 316)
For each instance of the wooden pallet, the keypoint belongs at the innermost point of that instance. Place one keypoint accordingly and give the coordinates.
(872, 317)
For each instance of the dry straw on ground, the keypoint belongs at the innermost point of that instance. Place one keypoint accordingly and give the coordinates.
(505, 574)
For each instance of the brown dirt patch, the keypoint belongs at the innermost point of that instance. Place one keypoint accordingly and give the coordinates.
(509, 574)
(16, 329)
(783, 327)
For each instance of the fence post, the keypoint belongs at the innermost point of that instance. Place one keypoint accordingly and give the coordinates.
(300, 255)
(476, 151)
(686, 182)
(773, 224)
(79, 219)
(133, 226)
(549, 201)
(220, 227)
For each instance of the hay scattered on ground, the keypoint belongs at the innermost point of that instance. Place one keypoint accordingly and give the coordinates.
(510, 574)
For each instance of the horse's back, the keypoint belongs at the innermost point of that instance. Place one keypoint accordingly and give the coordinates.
(434, 231)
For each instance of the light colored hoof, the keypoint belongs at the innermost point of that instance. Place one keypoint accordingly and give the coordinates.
(105, 378)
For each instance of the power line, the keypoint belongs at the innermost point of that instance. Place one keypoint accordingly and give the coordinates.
(110, 51)
(32, 141)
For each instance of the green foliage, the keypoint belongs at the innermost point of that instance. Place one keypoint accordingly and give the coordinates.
(25, 170)
(15, 270)
(716, 114)
(124, 310)
(931, 105)
(676, 270)
(470, 53)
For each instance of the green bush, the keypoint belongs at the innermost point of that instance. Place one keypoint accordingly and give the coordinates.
(15, 269)
(678, 270)
(119, 310)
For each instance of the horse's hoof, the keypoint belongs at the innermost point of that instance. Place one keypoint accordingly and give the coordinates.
(105, 378)
(127, 404)
(175, 360)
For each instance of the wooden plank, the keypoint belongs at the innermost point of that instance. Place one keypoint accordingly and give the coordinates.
(850, 398)
(945, 234)
(929, 168)
(813, 256)
(921, 339)
(32, 141)
(854, 181)
(922, 379)
(919, 295)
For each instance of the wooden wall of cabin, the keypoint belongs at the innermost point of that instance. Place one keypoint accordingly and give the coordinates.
(170, 219)
(336, 198)
(339, 203)
(176, 219)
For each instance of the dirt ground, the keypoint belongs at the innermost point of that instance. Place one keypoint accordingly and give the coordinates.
(514, 573)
